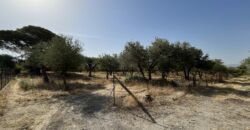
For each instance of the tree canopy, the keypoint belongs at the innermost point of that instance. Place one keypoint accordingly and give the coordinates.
(109, 64)
(25, 37)
(136, 54)
(6, 62)
(245, 65)
(62, 55)
(90, 63)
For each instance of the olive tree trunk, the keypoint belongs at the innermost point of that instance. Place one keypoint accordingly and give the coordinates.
(66, 87)
(107, 75)
(90, 73)
(45, 76)
(141, 70)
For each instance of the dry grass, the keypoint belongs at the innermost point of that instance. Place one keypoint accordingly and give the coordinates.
(140, 90)
(31, 83)
(38, 103)
(82, 84)
(34, 89)
(4, 98)
(129, 102)
(39, 95)
(234, 88)
(3, 103)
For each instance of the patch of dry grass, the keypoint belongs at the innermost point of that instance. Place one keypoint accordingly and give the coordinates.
(39, 95)
(81, 84)
(140, 90)
(35, 89)
(31, 83)
(129, 102)
(3, 103)
(4, 98)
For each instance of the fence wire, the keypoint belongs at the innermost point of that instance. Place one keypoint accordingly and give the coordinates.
(5, 76)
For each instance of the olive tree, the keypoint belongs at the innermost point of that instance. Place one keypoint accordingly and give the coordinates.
(34, 60)
(109, 64)
(63, 55)
(245, 65)
(136, 54)
(186, 57)
(126, 65)
(90, 64)
(219, 69)
(158, 54)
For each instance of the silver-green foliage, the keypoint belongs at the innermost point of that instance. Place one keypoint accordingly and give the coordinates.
(63, 54)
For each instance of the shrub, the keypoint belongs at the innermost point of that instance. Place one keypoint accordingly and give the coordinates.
(26, 84)
(159, 82)
(138, 79)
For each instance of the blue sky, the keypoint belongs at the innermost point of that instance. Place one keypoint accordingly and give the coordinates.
(220, 27)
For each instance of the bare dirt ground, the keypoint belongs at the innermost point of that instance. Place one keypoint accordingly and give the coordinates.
(222, 106)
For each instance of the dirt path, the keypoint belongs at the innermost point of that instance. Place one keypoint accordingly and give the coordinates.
(93, 110)
(24, 113)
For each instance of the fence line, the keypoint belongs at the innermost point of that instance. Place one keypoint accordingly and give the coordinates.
(5, 76)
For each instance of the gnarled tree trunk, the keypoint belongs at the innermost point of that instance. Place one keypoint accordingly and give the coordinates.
(163, 74)
(45, 76)
(186, 73)
(66, 87)
(200, 74)
(107, 75)
(141, 70)
(149, 74)
(90, 73)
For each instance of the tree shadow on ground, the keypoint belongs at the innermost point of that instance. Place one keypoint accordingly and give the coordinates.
(85, 105)
(77, 76)
(84, 100)
(88, 103)
(237, 82)
(69, 76)
(142, 116)
(153, 82)
(85, 86)
(213, 91)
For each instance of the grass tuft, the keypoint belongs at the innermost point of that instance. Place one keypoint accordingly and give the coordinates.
(26, 84)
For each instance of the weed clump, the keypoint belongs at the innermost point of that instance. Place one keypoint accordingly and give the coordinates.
(27, 84)
(135, 79)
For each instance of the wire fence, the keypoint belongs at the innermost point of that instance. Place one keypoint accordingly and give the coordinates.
(5, 77)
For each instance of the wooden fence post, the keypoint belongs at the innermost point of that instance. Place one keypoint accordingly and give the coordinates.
(113, 90)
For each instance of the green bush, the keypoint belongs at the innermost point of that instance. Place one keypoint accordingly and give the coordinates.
(26, 85)
(158, 82)
(135, 78)
(235, 71)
